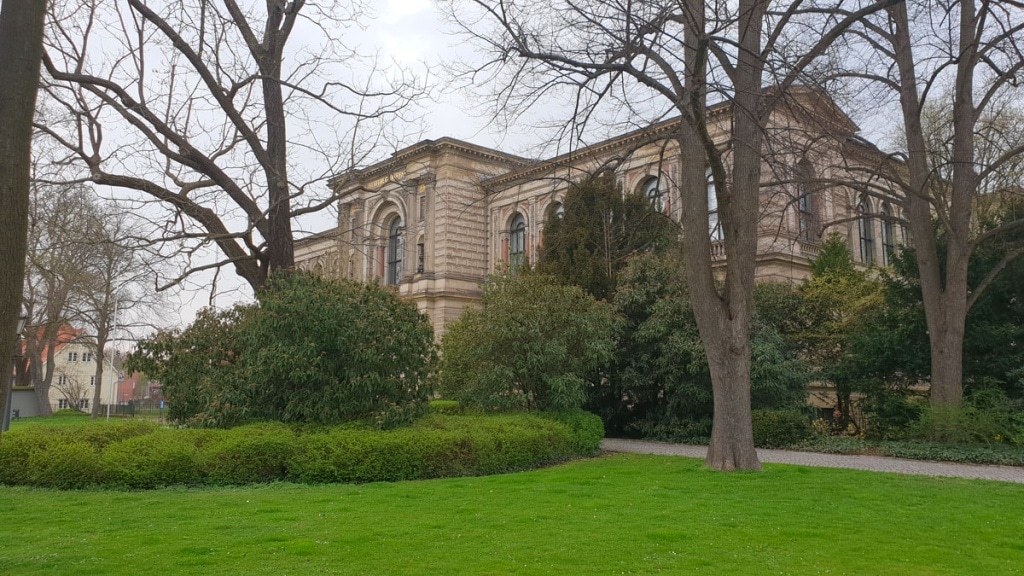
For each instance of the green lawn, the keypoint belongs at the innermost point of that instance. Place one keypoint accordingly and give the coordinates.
(624, 514)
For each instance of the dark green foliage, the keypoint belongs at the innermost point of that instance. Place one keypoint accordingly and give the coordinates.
(194, 367)
(436, 446)
(325, 351)
(601, 229)
(312, 350)
(779, 428)
(535, 345)
(660, 385)
(888, 410)
(1001, 454)
(968, 454)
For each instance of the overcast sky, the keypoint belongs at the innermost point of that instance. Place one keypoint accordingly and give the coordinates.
(413, 34)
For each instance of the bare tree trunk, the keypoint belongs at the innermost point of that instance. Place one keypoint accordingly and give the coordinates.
(21, 46)
(732, 435)
(97, 393)
(42, 386)
(943, 291)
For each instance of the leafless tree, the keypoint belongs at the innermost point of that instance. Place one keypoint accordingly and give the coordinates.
(955, 68)
(21, 38)
(62, 231)
(118, 293)
(205, 110)
(640, 61)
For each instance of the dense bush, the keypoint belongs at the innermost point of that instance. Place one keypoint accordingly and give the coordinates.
(660, 384)
(779, 428)
(535, 345)
(162, 458)
(435, 446)
(965, 424)
(311, 350)
(600, 229)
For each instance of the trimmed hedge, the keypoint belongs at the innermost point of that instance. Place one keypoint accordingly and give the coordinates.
(146, 456)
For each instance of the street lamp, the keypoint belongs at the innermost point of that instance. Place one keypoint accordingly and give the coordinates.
(22, 319)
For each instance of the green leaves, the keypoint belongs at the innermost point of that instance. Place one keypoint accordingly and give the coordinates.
(535, 345)
(312, 350)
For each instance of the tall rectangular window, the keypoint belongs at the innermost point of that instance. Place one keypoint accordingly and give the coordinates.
(517, 243)
(396, 247)
(867, 234)
(420, 257)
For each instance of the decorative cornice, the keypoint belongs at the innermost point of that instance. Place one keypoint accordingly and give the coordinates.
(425, 148)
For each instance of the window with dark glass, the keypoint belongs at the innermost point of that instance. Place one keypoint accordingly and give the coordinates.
(867, 235)
(888, 242)
(395, 249)
(652, 191)
(517, 243)
(806, 213)
(420, 257)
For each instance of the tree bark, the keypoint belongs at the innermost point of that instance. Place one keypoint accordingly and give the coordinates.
(21, 48)
(944, 289)
(723, 314)
(732, 436)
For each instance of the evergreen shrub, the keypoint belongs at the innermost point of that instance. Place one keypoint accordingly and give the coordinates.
(780, 428)
(312, 350)
(535, 345)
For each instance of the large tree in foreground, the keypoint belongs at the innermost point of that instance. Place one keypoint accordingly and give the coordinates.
(21, 40)
(955, 68)
(213, 116)
(652, 59)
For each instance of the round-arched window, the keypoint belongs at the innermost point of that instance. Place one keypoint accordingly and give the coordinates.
(517, 242)
(652, 191)
(396, 248)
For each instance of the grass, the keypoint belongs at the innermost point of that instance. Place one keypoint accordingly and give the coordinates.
(624, 514)
(62, 418)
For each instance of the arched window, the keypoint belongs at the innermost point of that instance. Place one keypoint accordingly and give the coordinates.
(888, 236)
(396, 247)
(714, 226)
(867, 234)
(517, 243)
(558, 210)
(652, 191)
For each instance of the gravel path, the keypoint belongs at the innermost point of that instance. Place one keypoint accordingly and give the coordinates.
(872, 463)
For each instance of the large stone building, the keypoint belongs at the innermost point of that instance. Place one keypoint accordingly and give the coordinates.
(439, 216)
